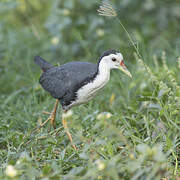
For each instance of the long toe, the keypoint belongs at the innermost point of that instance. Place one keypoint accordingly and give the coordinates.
(45, 112)
(74, 147)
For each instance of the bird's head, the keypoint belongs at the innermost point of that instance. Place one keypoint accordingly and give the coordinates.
(114, 60)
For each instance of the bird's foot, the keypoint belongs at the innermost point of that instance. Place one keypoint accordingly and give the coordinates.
(65, 115)
(70, 138)
(52, 115)
(51, 118)
(74, 146)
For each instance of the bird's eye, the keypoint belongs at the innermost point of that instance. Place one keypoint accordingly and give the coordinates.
(113, 59)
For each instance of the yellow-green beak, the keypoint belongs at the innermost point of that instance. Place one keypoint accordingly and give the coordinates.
(124, 69)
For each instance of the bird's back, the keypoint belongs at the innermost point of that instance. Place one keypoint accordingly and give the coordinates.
(63, 82)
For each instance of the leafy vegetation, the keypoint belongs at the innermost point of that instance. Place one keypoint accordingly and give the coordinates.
(130, 131)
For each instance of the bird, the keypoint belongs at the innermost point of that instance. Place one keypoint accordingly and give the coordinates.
(76, 83)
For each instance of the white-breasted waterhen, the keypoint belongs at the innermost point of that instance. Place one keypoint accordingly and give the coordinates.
(75, 83)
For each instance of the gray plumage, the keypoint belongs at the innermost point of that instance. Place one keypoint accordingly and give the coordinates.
(42, 63)
(64, 81)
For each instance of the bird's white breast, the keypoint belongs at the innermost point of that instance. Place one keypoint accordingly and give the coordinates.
(87, 92)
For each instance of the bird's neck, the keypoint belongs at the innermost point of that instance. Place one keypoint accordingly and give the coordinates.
(103, 70)
(102, 76)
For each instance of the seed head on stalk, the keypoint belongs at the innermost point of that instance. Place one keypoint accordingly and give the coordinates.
(106, 9)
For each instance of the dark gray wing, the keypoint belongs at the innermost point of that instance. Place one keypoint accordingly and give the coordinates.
(68, 78)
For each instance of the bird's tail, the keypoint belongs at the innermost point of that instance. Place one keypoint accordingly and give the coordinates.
(44, 65)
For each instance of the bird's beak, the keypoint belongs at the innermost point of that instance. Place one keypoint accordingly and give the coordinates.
(124, 69)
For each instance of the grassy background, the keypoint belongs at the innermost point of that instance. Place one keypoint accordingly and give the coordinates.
(141, 138)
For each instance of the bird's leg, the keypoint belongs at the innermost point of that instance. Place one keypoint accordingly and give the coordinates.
(53, 115)
(64, 117)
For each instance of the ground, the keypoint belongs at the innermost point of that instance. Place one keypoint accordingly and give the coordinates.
(131, 130)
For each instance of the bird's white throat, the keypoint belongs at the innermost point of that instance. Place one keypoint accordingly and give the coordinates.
(88, 91)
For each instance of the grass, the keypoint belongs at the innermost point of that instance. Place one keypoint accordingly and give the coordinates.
(139, 140)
